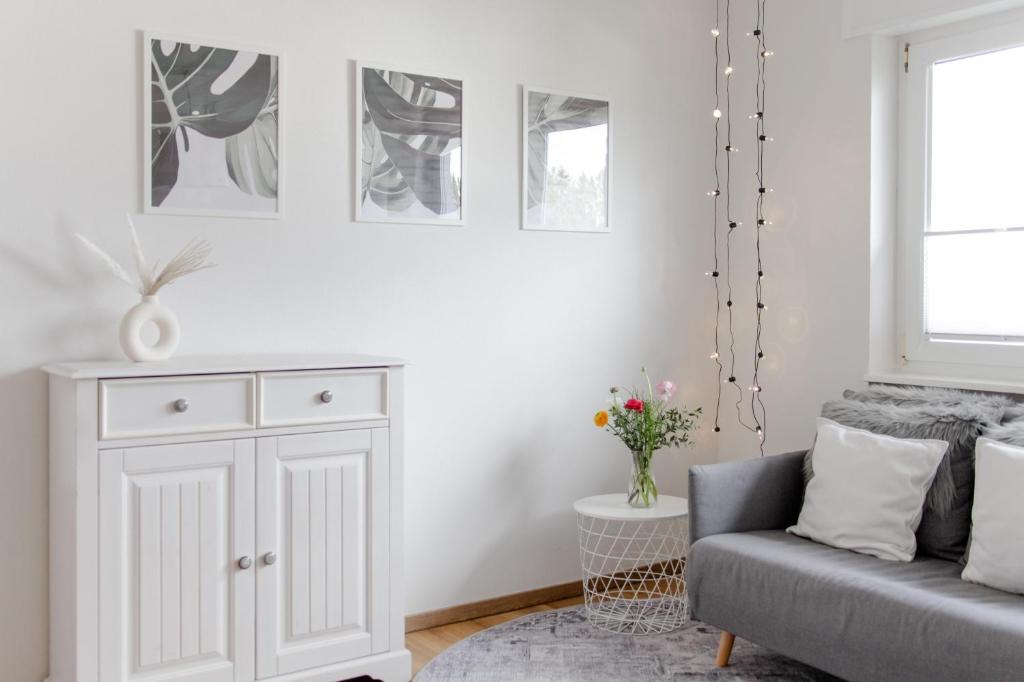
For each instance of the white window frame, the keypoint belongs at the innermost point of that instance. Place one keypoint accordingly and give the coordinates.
(918, 346)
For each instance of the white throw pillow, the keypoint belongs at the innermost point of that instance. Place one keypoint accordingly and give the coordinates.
(868, 490)
(996, 553)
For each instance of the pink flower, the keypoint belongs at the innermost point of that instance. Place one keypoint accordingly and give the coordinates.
(665, 390)
(635, 405)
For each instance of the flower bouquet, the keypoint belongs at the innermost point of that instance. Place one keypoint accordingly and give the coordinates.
(646, 423)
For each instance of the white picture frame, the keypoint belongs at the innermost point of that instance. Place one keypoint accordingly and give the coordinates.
(530, 164)
(208, 208)
(364, 208)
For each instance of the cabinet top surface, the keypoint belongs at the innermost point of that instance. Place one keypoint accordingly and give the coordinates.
(615, 508)
(223, 364)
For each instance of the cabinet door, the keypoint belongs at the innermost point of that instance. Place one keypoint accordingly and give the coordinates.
(176, 604)
(322, 514)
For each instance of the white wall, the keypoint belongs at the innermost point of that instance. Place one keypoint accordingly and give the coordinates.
(862, 17)
(513, 336)
(816, 256)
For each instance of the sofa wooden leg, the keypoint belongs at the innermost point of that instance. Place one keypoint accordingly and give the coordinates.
(725, 649)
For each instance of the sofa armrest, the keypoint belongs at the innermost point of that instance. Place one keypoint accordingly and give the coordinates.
(736, 497)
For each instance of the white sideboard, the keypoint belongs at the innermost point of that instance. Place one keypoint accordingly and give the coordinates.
(227, 520)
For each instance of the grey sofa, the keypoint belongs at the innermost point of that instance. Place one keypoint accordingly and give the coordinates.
(851, 615)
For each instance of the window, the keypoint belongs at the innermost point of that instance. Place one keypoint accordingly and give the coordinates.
(962, 198)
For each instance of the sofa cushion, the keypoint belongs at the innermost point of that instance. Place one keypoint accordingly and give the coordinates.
(856, 616)
(868, 490)
(996, 556)
(946, 523)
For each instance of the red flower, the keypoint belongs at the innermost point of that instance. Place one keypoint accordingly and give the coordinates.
(635, 405)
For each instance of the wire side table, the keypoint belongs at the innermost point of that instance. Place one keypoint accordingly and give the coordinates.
(633, 563)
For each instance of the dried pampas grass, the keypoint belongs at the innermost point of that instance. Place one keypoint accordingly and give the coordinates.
(148, 279)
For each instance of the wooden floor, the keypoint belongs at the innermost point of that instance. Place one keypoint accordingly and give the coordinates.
(426, 644)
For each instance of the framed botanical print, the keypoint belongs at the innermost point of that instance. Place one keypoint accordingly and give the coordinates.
(410, 146)
(212, 128)
(566, 161)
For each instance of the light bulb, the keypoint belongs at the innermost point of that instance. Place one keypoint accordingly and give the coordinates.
(755, 388)
(715, 32)
(767, 53)
(717, 113)
(714, 193)
(714, 356)
(728, 71)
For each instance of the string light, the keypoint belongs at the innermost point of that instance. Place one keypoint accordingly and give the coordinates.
(757, 407)
(731, 222)
(723, 246)
(716, 194)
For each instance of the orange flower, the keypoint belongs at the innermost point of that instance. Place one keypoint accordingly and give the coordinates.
(601, 419)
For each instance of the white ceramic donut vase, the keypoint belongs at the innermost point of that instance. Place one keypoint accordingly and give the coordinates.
(149, 310)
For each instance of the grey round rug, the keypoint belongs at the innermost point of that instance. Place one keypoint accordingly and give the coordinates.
(561, 646)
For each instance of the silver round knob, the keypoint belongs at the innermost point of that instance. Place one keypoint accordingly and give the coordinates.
(244, 563)
(181, 405)
(269, 558)
(326, 397)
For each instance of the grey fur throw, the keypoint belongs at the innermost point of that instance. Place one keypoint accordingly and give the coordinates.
(1011, 432)
(917, 395)
(957, 423)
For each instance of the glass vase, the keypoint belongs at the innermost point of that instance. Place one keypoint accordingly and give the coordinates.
(643, 492)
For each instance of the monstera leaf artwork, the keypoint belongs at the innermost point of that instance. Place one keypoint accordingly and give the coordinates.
(566, 162)
(410, 147)
(213, 119)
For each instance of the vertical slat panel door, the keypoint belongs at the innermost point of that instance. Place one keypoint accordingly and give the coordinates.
(322, 522)
(176, 528)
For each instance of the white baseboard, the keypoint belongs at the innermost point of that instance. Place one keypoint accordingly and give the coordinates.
(393, 666)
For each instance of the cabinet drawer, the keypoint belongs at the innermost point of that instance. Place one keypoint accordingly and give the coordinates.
(322, 397)
(135, 408)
